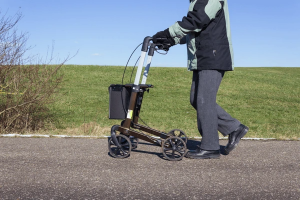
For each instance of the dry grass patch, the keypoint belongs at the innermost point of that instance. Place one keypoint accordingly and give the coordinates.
(86, 129)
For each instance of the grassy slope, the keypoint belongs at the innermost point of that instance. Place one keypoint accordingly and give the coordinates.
(265, 99)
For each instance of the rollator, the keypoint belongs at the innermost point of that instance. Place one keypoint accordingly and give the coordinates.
(126, 102)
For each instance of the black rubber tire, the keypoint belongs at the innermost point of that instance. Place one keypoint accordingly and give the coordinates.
(179, 133)
(174, 148)
(121, 150)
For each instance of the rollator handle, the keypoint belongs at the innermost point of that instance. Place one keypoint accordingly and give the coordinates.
(160, 40)
(162, 45)
(146, 43)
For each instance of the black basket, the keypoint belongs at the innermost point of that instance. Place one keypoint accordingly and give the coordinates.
(119, 97)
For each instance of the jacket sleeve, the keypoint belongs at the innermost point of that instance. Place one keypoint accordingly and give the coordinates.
(201, 12)
(183, 40)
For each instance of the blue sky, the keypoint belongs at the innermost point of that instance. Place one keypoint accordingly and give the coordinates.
(264, 32)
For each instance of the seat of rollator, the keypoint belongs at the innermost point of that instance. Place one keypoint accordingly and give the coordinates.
(142, 86)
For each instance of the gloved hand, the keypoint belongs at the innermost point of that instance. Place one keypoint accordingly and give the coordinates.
(163, 37)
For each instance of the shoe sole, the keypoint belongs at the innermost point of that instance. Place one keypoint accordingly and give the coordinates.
(205, 157)
(239, 137)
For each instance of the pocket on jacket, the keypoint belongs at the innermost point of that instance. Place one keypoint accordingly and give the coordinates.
(206, 55)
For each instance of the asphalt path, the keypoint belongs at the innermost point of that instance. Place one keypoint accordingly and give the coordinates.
(39, 168)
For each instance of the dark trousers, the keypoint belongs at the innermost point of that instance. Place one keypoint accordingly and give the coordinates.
(211, 118)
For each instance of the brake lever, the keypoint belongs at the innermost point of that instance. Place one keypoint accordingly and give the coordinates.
(164, 47)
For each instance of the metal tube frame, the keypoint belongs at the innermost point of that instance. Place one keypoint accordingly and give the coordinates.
(136, 99)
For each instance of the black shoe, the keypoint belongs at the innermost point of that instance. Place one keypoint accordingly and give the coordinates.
(203, 154)
(235, 137)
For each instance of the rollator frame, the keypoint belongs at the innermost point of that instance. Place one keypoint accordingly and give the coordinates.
(173, 144)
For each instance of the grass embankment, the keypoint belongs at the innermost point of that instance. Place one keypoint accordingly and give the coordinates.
(265, 99)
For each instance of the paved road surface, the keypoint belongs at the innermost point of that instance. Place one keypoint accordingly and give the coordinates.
(35, 168)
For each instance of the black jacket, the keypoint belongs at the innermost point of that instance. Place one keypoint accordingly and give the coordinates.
(206, 31)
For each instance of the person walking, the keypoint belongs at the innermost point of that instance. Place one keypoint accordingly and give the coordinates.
(206, 31)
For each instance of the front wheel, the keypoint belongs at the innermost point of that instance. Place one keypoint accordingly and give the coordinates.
(174, 148)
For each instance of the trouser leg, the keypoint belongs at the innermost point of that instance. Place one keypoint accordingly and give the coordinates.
(226, 123)
(210, 116)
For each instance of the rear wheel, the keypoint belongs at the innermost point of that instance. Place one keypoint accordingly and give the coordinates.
(134, 141)
(120, 147)
(178, 133)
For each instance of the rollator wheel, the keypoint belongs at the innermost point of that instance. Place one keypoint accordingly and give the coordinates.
(178, 133)
(174, 148)
(120, 148)
(134, 141)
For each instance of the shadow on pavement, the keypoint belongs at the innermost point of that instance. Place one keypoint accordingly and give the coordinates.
(191, 145)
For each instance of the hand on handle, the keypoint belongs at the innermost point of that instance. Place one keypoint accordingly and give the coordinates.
(163, 37)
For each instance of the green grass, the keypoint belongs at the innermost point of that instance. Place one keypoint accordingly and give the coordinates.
(265, 99)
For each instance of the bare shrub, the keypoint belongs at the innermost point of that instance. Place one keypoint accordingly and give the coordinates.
(25, 89)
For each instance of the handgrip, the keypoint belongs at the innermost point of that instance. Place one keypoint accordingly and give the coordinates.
(146, 43)
(162, 45)
(161, 40)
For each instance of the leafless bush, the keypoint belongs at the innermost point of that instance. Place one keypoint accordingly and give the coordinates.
(25, 89)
